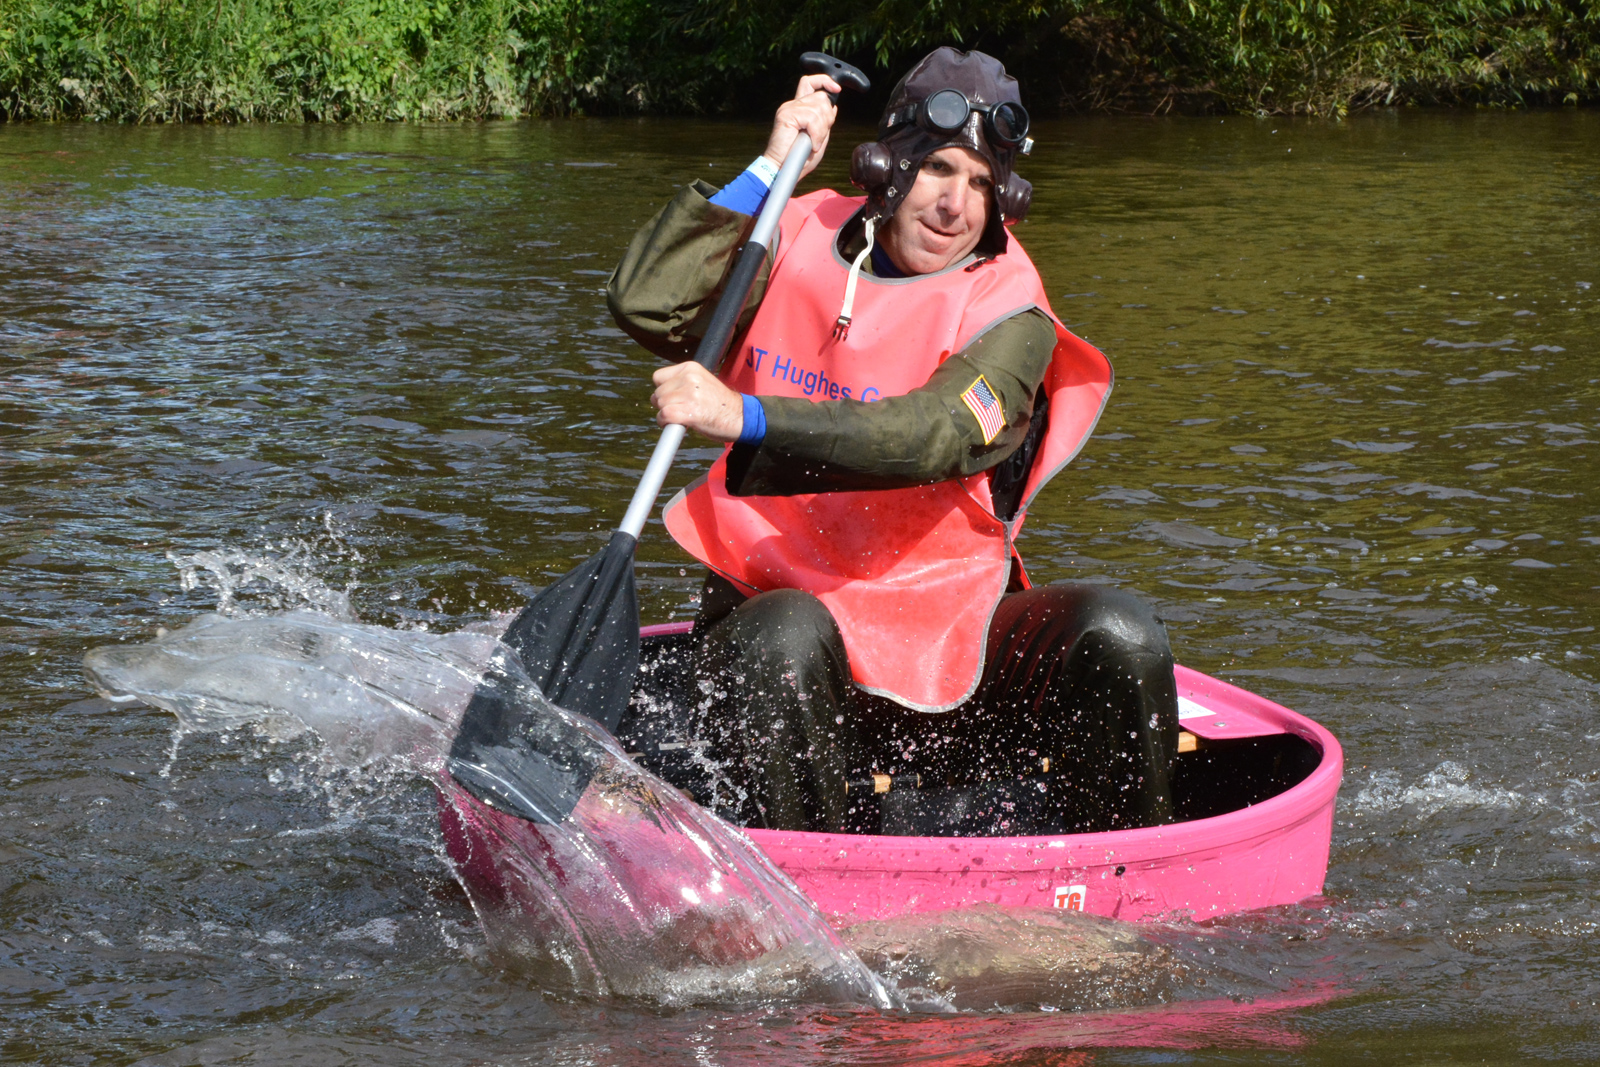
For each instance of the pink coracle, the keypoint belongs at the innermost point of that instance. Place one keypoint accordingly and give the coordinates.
(1272, 853)
(1275, 852)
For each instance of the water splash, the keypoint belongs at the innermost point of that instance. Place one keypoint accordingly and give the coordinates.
(640, 893)
(1446, 787)
(279, 576)
(368, 693)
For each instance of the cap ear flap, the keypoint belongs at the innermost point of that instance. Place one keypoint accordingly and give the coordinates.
(870, 166)
(1013, 198)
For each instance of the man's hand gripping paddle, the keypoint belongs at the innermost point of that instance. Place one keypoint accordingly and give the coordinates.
(578, 640)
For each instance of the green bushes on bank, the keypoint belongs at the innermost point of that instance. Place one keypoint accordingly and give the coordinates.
(334, 60)
(233, 60)
(1313, 55)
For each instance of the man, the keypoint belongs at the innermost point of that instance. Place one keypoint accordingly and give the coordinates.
(900, 392)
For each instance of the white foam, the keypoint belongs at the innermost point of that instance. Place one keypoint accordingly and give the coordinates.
(368, 692)
(380, 930)
(1446, 787)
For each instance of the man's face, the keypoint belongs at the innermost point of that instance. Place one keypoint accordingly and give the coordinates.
(944, 213)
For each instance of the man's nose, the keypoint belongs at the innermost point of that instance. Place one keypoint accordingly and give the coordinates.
(954, 200)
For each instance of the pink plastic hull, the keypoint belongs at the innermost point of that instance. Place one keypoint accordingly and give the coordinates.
(1273, 853)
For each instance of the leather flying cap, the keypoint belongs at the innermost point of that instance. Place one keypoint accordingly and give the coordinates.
(888, 168)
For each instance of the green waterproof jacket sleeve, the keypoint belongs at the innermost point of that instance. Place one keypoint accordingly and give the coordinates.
(674, 270)
(928, 435)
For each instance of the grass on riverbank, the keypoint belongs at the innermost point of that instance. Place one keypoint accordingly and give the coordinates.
(336, 60)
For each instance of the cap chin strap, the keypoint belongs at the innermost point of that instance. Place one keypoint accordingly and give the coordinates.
(841, 325)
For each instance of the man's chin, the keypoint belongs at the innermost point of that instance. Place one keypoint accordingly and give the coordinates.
(936, 259)
(929, 257)
(945, 248)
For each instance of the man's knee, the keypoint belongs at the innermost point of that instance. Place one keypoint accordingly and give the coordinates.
(785, 624)
(1062, 615)
(781, 679)
(782, 634)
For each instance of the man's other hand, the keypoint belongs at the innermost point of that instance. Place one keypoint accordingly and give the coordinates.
(689, 395)
(811, 111)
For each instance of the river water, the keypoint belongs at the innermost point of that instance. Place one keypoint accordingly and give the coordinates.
(369, 372)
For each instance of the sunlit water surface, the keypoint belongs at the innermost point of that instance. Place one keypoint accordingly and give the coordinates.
(368, 373)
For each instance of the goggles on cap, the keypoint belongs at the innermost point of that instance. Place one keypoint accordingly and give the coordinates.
(948, 110)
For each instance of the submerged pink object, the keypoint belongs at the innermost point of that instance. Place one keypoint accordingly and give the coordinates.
(1274, 852)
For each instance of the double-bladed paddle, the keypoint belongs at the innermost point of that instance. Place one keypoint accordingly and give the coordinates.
(578, 640)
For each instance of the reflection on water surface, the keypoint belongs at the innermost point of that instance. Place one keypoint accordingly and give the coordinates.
(1348, 455)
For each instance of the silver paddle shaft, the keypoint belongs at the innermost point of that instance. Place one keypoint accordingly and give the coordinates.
(655, 472)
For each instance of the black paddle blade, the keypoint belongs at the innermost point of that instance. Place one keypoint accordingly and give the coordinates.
(578, 642)
(518, 752)
(579, 638)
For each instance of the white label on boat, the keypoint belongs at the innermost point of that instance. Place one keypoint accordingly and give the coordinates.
(1188, 709)
(1070, 897)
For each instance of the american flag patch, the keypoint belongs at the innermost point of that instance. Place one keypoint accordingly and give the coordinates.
(981, 401)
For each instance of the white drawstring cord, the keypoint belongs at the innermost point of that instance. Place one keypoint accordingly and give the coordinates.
(841, 325)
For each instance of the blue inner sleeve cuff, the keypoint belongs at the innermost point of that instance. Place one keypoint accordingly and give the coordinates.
(745, 194)
(755, 422)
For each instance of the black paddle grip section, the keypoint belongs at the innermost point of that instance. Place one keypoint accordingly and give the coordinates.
(719, 331)
(847, 76)
(579, 638)
(725, 318)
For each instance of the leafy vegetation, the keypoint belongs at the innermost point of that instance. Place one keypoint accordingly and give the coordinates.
(1320, 56)
(335, 60)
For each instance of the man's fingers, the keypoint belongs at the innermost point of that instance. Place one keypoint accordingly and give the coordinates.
(670, 384)
(689, 395)
(811, 83)
(677, 389)
(810, 111)
(813, 114)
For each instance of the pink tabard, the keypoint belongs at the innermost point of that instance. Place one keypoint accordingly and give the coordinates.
(912, 576)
